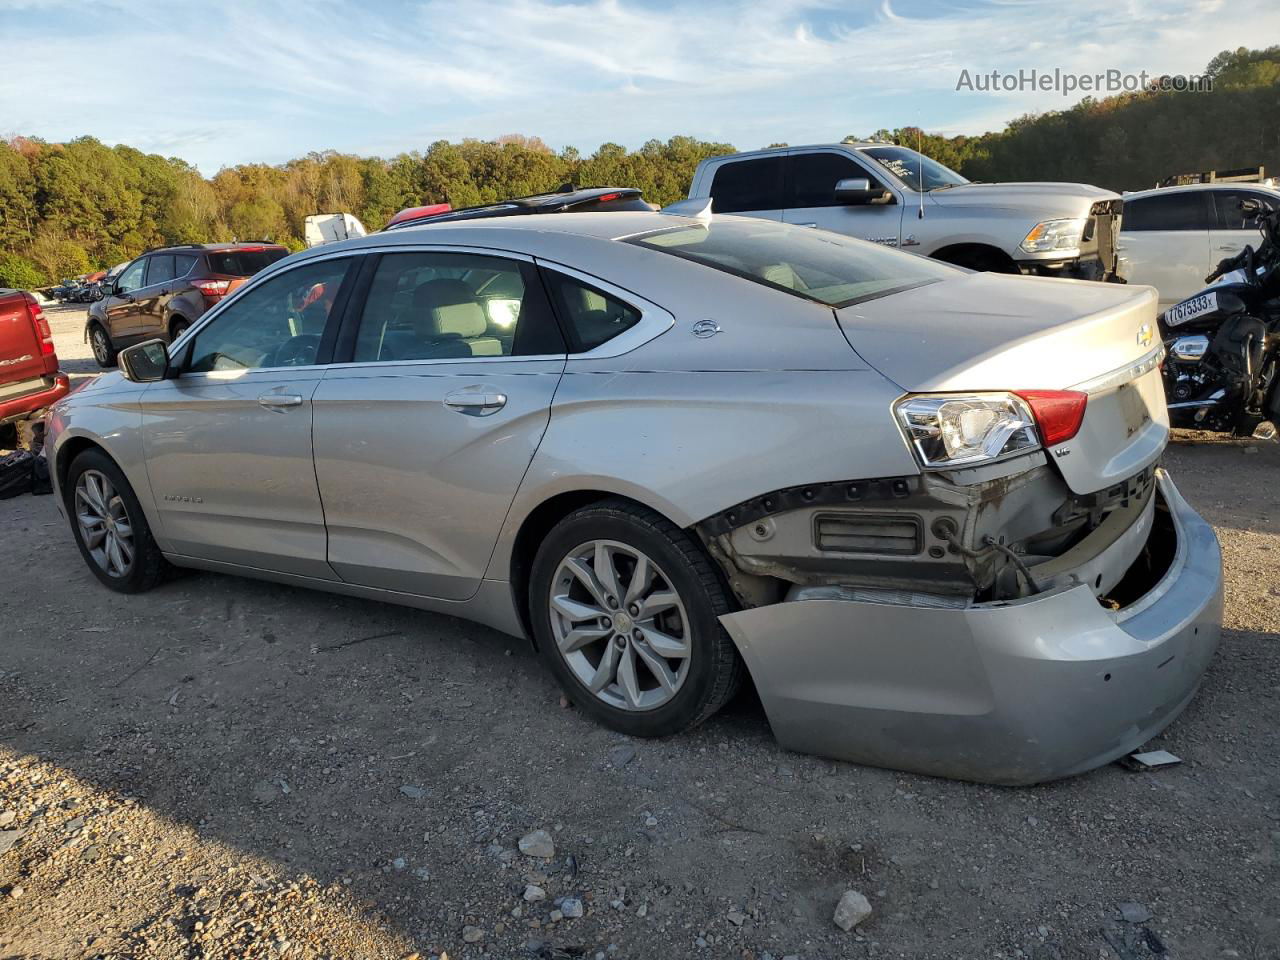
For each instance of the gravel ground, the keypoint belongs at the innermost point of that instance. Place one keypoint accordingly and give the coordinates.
(227, 768)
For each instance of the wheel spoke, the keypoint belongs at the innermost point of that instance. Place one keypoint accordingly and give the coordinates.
(658, 667)
(606, 669)
(93, 538)
(627, 678)
(93, 493)
(123, 529)
(114, 560)
(579, 637)
(665, 645)
(125, 548)
(641, 577)
(586, 576)
(655, 603)
(605, 572)
(575, 611)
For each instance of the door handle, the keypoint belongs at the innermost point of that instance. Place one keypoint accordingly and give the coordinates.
(279, 401)
(475, 404)
(807, 224)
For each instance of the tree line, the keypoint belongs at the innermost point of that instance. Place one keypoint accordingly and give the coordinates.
(67, 208)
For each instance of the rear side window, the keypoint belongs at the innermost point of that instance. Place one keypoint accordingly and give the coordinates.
(159, 268)
(244, 263)
(1166, 211)
(453, 306)
(1229, 214)
(814, 177)
(749, 185)
(182, 265)
(591, 316)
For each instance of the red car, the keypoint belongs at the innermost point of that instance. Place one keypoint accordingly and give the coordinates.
(29, 375)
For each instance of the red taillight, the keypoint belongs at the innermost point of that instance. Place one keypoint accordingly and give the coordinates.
(41, 325)
(213, 289)
(607, 197)
(1058, 413)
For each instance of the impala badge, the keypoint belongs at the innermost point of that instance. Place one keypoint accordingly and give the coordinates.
(1144, 335)
(705, 328)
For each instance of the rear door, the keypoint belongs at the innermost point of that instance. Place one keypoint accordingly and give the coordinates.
(754, 187)
(1165, 239)
(423, 434)
(1231, 229)
(812, 179)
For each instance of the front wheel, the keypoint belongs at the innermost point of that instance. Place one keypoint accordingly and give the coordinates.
(103, 352)
(625, 609)
(109, 526)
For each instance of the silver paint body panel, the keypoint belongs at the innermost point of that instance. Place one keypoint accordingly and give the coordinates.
(1016, 693)
(372, 487)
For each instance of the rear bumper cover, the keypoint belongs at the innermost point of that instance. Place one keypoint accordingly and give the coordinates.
(1012, 693)
(56, 387)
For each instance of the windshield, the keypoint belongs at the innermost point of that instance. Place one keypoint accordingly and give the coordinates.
(914, 168)
(825, 267)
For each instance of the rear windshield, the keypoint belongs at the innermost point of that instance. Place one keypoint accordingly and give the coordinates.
(824, 267)
(245, 263)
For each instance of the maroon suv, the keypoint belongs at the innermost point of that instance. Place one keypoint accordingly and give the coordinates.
(29, 375)
(166, 290)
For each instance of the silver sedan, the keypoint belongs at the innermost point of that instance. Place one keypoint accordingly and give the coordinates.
(920, 507)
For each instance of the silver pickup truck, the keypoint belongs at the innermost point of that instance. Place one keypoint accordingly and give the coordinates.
(898, 197)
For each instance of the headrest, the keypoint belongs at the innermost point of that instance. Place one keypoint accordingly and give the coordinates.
(448, 308)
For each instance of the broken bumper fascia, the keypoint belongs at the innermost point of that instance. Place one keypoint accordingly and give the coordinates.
(1018, 692)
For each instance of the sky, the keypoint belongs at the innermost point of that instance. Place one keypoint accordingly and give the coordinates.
(220, 82)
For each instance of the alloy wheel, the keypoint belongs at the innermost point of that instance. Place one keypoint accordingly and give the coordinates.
(99, 342)
(104, 523)
(620, 625)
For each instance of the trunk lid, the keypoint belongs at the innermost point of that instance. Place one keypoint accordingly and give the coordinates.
(26, 352)
(986, 331)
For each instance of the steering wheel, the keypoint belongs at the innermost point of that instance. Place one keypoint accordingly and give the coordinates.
(299, 351)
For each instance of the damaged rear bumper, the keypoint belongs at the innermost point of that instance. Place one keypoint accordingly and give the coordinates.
(1014, 692)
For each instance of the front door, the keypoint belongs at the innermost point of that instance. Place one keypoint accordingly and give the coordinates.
(121, 307)
(1165, 239)
(813, 177)
(151, 299)
(228, 440)
(423, 435)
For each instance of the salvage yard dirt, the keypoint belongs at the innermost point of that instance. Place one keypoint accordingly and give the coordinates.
(226, 768)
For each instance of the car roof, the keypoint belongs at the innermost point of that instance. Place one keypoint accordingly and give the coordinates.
(770, 151)
(1190, 187)
(214, 247)
(552, 202)
(612, 225)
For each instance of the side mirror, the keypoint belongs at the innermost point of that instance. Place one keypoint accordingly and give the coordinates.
(145, 362)
(1251, 208)
(858, 190)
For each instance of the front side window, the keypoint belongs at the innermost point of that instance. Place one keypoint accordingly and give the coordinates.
(592, 317)
(1166, 211)
(451, 306)
(814, 177)
(825, 267)
(749, 185)
(277, 323)
(1229, 208)
(914, 169)
(159, 268)
(131, 279)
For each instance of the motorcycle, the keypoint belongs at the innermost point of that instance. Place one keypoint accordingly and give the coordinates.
(1223, 344)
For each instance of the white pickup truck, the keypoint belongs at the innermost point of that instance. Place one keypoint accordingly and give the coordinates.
(896, 196)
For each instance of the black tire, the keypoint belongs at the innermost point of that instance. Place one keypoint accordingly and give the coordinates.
(714, 670)
(104, 351)
(177, 327)
(149, 566)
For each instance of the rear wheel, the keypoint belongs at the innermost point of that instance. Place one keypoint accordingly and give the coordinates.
(103, 351)
(109, 525)
(177, 327)
(625, 606)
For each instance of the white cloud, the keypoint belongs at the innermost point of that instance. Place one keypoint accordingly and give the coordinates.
(269, 81)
